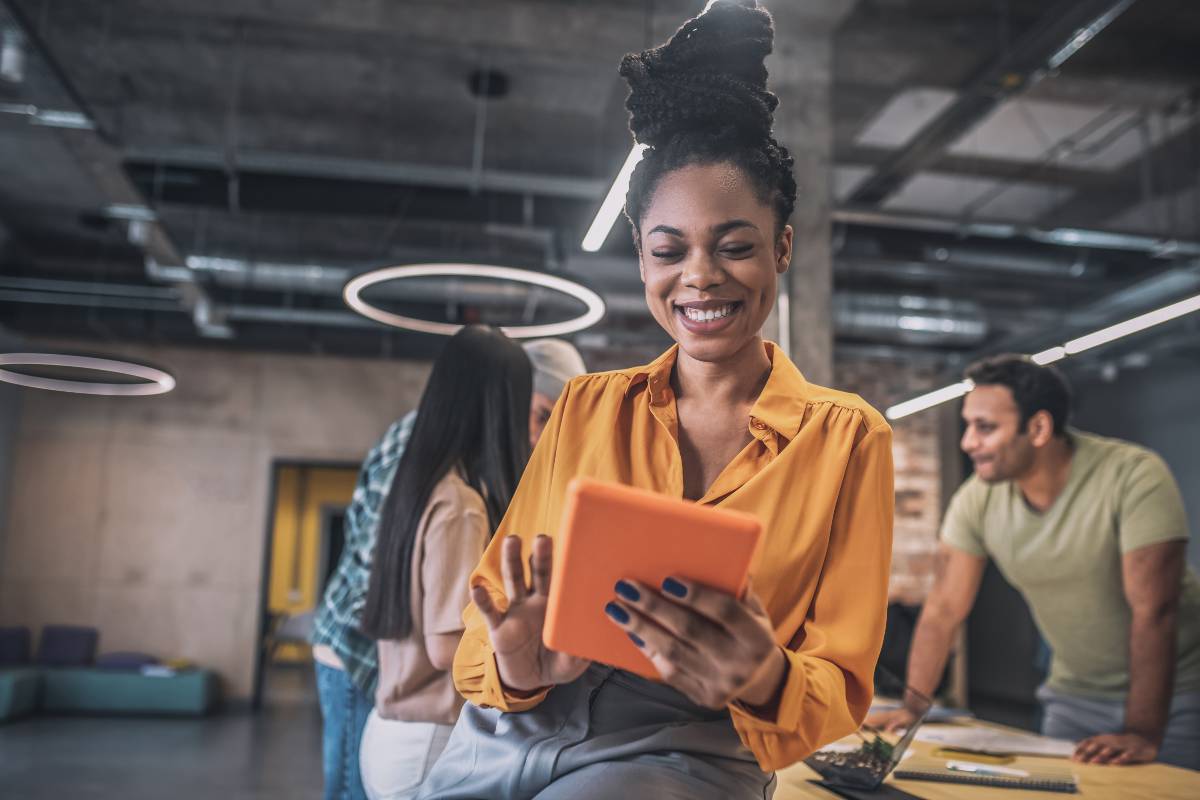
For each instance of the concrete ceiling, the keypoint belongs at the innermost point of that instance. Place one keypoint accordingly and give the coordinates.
(344, 134)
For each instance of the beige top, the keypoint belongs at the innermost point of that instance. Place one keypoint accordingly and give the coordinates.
(451, 538)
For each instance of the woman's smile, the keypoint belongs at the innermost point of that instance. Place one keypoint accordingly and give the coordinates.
(707, 316)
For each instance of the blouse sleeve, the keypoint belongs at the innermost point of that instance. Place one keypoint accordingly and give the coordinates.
(831, 662)
(476, 675)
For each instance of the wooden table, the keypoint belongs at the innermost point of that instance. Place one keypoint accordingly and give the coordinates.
(1145, 781)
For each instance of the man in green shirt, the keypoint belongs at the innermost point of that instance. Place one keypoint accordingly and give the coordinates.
(1092, 532)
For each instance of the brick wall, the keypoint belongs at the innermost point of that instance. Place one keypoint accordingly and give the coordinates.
(917, 453)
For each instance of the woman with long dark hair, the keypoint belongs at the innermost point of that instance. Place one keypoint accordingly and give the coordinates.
(468, 447)
(749, 684)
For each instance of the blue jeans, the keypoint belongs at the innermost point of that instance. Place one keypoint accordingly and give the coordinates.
(344, 710)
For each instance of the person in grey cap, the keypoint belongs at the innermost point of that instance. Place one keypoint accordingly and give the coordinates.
(554, 363)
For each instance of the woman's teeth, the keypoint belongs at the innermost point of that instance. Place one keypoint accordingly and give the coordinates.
(707, 315)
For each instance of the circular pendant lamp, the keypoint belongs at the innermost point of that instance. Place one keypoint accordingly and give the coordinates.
(152, 379)
(352, 293)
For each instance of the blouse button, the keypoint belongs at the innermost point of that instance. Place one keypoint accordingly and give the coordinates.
(758, 426)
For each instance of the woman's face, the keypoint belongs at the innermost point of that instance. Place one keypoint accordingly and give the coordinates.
(710, 259)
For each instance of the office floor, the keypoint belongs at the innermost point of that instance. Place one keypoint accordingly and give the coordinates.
(236, 755)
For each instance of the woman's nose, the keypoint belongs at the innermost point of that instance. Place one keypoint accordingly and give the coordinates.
(702, 272)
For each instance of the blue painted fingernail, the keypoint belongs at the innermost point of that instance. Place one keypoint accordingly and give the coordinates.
(616, 612)
(636, 640)
(627, 591)
(672, 586)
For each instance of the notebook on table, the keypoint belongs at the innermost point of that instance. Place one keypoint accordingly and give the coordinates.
(1044, 778)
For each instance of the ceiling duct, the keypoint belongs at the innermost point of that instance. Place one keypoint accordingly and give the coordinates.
(239, 273)
(909, 319)
(1064, 265)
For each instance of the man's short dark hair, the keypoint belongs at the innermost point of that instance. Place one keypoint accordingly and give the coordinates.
(1034, 388)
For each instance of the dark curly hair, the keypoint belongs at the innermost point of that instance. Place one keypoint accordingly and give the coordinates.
(1034, 388)
(702, 98)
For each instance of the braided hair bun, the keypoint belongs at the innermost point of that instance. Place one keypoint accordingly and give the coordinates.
(702, 98)
(709, 75)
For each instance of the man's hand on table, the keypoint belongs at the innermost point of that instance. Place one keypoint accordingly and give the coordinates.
(1116, 748)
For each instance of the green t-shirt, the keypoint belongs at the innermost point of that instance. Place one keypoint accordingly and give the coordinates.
(1067, 561)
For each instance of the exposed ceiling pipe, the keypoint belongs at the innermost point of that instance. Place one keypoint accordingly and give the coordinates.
(1156, 246)
(908, 318)
(366, 170)
(874, 317)
(1074, 266)
(97, 156)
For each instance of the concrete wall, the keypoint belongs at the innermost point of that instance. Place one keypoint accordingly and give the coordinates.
(1155, 407)
(146, 517)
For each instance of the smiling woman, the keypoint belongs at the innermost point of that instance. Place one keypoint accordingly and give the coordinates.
(751, 683)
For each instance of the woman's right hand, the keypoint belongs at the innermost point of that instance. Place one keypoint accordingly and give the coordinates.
(526, 665)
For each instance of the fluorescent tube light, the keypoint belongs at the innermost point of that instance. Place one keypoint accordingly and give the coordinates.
(1148, 320)
(1049, 356)
(1102, 336)
(936, 397)
(613, 202)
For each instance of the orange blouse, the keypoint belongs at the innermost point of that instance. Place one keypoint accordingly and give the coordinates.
(818, 473)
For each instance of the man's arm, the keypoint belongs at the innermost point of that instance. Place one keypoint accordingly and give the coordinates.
(1152, 579)
(955, 586)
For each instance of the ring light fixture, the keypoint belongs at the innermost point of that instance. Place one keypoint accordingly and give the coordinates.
(155, 381)
(352, 294)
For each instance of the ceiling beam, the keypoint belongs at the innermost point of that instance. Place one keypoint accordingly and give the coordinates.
(982, 167)
(1021, 65)
(368, 171)
(1171, 166)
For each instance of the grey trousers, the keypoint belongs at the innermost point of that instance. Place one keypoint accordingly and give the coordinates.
(610, 734)
(1068, 716)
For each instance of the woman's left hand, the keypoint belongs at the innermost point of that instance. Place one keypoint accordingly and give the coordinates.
(709, 645)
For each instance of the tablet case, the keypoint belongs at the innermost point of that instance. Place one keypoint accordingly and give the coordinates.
(610, 532)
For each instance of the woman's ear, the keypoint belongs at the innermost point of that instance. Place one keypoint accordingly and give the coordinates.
(783, 250)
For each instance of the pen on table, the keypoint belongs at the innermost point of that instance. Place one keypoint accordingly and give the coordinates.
(977, 769)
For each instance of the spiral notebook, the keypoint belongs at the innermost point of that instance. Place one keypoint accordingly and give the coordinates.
(1045, 779)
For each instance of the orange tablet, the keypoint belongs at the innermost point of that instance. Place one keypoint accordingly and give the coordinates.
(610, 532)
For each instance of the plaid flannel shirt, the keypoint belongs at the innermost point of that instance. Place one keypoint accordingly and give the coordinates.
(338, 616)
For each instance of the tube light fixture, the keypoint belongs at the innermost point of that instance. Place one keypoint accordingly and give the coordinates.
(1049, 356)
(1148, 320)
(929, 400)
(1100, 337)
(352, 294)
(155, 381)
(1086, 34)
(613, 202)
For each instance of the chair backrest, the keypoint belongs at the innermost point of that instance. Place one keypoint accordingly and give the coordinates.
(67, 646)
(15, 647)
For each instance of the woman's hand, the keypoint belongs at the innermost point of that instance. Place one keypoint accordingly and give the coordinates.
(707, 644)
(526, 665)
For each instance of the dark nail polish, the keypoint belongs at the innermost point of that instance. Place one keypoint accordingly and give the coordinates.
(616, 612)
(627, 591)
(672, 586)
(636, 640)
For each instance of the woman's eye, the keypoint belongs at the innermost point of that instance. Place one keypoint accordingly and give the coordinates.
(737, 249)
(665, 254)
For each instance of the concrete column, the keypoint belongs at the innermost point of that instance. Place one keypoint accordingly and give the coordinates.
(801, 74)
